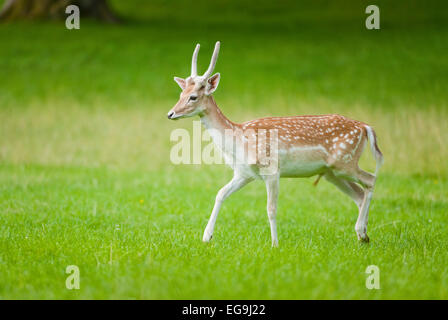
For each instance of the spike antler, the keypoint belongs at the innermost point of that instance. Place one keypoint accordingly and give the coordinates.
(211, 67)
(213, 61)
(194, 61)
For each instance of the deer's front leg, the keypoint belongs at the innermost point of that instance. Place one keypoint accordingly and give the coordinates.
(234, 185)
(272, 186)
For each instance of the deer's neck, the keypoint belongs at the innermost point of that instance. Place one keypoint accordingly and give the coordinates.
(219, 127)
(213, 118)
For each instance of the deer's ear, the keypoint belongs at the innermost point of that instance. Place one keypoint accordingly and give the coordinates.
(212, 84)
(181, 82)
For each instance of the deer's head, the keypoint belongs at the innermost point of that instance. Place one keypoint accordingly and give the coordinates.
(195, 89)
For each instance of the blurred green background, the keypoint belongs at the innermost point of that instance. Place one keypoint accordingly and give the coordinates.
(85, 176)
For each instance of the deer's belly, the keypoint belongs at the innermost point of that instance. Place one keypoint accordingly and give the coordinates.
(302, 162)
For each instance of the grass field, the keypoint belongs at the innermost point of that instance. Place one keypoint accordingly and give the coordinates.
(85, 176)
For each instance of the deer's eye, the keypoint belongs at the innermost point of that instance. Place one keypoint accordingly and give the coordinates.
(193, 98)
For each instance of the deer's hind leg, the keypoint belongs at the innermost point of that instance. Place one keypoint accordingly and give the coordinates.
(354, 191)
(367, 180)
(356, 178)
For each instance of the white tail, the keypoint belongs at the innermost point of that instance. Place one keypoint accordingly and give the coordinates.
(326, 145)
(374, 148)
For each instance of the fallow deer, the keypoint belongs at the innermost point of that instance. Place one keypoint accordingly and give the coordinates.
(322, 145)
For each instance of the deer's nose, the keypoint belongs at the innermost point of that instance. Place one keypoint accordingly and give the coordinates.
(170, 114)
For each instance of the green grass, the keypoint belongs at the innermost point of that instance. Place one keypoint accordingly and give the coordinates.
(85, 176)
(138, 235)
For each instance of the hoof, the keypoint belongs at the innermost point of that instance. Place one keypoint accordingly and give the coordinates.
(364, 239)
(207, 237)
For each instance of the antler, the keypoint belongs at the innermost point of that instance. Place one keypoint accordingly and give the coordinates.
(213, 61)
(194, 61)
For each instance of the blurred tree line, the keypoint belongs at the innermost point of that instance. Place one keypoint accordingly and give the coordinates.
(55, 9)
